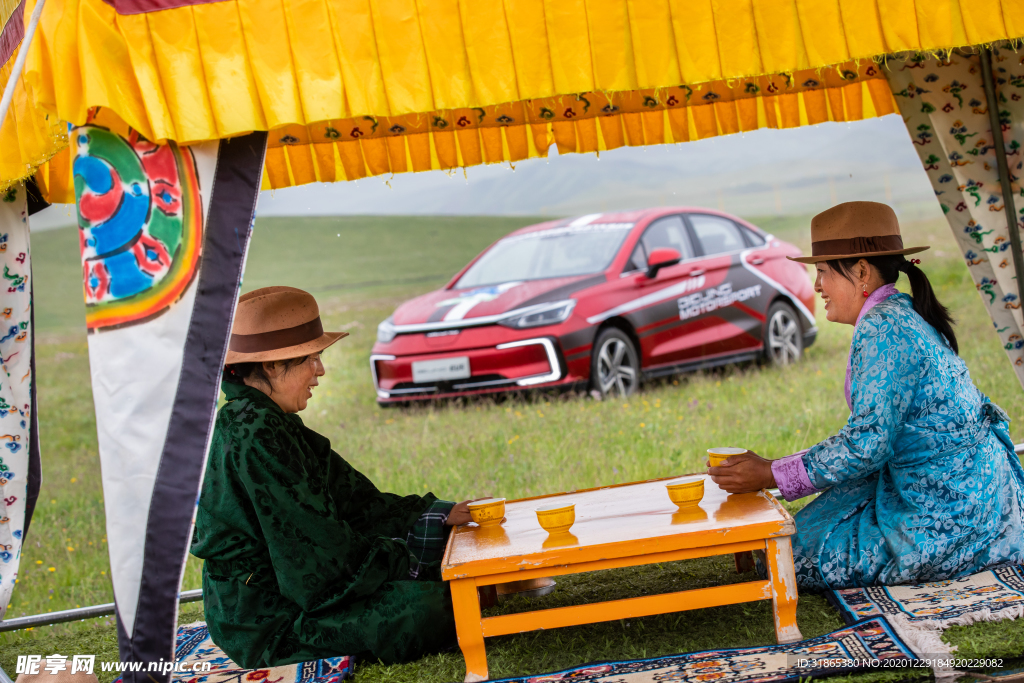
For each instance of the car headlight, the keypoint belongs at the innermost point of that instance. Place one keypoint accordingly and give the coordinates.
(542, 314)
(385, 331)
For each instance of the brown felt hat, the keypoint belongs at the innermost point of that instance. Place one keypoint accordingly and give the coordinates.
(277, 323)
(855, 230)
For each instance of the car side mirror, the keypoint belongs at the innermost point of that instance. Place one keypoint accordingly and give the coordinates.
(660, 258)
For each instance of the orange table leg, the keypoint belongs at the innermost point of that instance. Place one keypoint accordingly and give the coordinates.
(779, 552)
(466, 603)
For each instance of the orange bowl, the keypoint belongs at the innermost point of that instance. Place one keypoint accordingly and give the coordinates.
(557, 518)
(686, 492)
(488, 512)
(717, 455)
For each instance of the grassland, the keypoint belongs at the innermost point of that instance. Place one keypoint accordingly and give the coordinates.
(360, 268)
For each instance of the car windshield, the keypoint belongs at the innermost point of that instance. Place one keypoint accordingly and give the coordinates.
(558, 252)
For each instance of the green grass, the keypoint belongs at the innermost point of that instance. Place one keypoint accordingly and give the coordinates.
(457, 450)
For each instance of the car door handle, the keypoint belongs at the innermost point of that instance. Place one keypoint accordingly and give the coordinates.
(757, 261)
(696, 272)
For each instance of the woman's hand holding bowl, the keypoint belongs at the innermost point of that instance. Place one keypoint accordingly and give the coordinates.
(743, 473)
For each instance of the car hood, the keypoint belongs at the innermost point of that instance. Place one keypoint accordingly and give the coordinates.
(453, 305)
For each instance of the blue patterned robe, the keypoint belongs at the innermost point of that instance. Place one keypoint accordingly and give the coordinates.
(922, 483)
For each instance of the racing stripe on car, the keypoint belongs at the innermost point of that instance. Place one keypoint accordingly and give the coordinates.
(673, 292)
(439, 313)
(565, 291)
(772, 283)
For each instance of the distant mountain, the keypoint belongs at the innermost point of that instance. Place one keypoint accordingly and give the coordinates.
(799, 170)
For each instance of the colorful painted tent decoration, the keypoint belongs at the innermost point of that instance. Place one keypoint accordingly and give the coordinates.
(946, 113)
(164, 231)
(132, 275)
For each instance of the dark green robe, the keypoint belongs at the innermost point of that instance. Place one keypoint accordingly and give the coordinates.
(304, 557)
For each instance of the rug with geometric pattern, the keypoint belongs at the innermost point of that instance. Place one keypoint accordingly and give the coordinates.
(870, 639)
(987, 596)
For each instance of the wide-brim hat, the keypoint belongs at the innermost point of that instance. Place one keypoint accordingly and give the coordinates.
(277, 323)
(855, 230)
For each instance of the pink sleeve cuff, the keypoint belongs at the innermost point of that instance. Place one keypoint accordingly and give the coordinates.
(791, 476)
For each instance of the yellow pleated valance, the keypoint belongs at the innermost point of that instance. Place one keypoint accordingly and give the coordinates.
(350, 149)
(314, 71)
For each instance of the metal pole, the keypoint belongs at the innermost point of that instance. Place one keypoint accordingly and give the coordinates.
(1004, 169)
(79, 613)
(19, 63)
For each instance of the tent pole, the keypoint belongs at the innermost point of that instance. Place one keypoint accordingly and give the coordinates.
(19, 63)
(1004, 169)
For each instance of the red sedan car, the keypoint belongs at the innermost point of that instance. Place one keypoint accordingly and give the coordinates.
(603, 300)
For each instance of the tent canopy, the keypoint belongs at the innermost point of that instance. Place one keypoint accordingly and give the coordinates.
(351, 88)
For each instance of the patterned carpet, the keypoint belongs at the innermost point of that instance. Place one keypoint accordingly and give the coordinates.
(884, 623)
(871, 639)
(195, 647)
(996, 593)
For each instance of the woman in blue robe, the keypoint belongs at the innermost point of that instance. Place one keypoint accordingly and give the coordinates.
(922, 484)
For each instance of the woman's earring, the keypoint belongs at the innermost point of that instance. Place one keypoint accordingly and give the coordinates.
(865, 292)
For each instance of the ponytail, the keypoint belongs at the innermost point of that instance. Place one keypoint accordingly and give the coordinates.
(925, 303)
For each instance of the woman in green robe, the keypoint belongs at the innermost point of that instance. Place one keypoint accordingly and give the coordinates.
(304, 557)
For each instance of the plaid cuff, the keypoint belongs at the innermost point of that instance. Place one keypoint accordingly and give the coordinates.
(429, 535)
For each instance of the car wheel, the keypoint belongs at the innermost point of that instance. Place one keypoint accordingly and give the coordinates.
(783, 339)
(614, 365)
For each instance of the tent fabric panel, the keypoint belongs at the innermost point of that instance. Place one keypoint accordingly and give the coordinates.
(490, 57)
(569, 46)
(650, 23)
(862, 27)
(359, 61)
(12, 29)
(952, 135)
(696, 43)
(166, 50)
(786, 45)
(445, 54)
(19, 459)
(611, 45)
(26, 141)
(403, 60)
(317, 73)
(1013, 16)
(141, 50)
(104, 52)
(394, 58)
(215, 70)
(7, 8)
(265, 28)
(528, 38)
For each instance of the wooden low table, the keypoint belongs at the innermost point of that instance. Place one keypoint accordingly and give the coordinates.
(618, 526)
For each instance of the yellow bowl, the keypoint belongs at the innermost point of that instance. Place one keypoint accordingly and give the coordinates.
(686, 492)
(717, 455)
(488, 512)
(557, 518)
